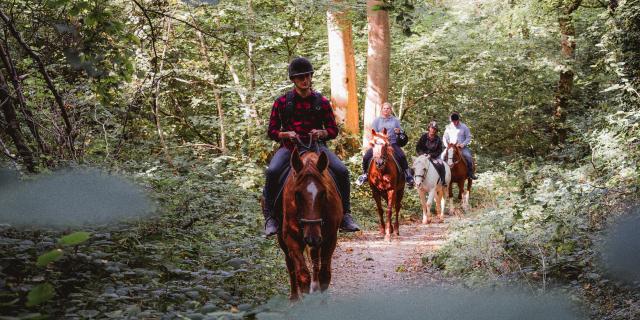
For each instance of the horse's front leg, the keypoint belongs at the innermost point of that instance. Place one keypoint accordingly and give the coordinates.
(390, 201)
(439, 203)
(328, 247)
(315, 263)
(303, 278)
(378, 199)
(293, 281)
(425, 208)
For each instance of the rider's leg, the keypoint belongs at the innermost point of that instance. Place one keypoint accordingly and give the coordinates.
(466, 153)
(404, 165)
(365, 166)
(341, 173)
(278, 163)
(439, 165)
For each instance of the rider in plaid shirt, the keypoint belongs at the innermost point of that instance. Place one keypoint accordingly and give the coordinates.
(302, 114)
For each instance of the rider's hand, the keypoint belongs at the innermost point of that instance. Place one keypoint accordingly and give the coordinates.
(288, 135)
(318, 134)
(460, 145)
(396, 130)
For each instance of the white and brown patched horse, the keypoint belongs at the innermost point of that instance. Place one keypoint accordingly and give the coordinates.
(429, 186)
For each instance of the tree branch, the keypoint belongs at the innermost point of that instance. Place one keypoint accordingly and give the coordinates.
(47, 78)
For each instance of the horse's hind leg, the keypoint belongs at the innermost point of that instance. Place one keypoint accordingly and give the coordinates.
(398, 205)
(315, 262)
(467, 193)
(325, 270)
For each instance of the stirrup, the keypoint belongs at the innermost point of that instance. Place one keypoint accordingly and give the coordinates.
(361, 179)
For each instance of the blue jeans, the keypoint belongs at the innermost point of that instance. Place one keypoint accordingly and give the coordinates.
(468, 157)
(280, 162)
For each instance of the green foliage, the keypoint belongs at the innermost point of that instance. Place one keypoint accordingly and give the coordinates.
(39, 294)
(75, 238)
(48, 257)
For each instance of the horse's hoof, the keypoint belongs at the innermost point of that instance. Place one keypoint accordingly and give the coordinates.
(425, 221)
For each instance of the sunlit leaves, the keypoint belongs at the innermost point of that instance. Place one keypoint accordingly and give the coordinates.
(39, 294)
(75, 238)
(48, 257)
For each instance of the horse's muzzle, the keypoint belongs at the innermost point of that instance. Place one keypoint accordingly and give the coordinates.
(313, 241)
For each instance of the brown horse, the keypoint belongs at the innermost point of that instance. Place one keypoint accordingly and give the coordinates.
(386, 181)
(311, 215)
(458, 165)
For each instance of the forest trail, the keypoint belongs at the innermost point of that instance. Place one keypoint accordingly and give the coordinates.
(367, 262)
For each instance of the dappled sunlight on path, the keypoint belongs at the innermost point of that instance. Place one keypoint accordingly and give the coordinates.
(368, 262)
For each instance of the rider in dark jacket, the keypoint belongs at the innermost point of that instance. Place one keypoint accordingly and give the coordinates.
(431, 144)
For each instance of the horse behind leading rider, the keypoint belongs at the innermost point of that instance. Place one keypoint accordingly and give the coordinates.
(311, 215)
(459, 173)
(386, 181)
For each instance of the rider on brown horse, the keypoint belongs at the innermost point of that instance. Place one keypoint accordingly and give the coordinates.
(392, 124)
(302, 114)
(431, 145)
(458, 133)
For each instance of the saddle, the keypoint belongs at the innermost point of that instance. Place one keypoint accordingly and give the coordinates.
(439, 165)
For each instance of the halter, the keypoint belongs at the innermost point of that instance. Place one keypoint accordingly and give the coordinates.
(425, 171)
(454, 153)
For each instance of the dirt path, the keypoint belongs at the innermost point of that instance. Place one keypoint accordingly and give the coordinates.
(368, 262)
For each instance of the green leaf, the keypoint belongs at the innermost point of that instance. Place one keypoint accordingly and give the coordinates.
(75, 238)
(40, 294)
(51, 256)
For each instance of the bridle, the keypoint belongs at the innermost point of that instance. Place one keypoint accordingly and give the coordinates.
(303, 221)
(454, 154)
(383, 154)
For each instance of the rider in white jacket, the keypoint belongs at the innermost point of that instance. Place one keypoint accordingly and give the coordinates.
(458, 133)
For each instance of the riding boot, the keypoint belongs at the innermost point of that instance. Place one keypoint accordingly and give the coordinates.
(270, 222)
(470, 172)
(408, 177)
(347, 224)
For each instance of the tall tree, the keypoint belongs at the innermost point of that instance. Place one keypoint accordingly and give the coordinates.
(13, 126)
(565, 83)
(344, 97)
(378, 57)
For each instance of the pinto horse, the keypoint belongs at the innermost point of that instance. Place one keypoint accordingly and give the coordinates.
(427, 182)
(458, 165)
(311, 215)
(386, 181)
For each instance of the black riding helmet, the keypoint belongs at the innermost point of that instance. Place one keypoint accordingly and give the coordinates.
(454, 116)
(299, 66)
(433, 124)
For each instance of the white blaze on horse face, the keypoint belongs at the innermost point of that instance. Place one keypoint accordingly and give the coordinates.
(450, 156)
(377, 147)
(313, 190)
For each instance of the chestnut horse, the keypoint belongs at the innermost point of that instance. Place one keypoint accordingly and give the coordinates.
(386, 181)
(311, 215)
(458, 165)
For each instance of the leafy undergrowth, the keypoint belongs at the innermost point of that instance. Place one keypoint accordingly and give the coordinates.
(542, 227)
(203, 253)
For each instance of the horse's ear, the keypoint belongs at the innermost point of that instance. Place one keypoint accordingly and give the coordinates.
(373, 133)
(384, 131)
(296, 162)
(323, 162)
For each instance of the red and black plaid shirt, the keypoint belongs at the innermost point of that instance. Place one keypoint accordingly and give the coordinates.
(303, 119)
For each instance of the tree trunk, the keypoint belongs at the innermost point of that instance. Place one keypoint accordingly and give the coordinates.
(156, 93)
(565, 83)
(22, 101)
(217, 94)
(344, 97)
(378, 57)
(13, 126)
